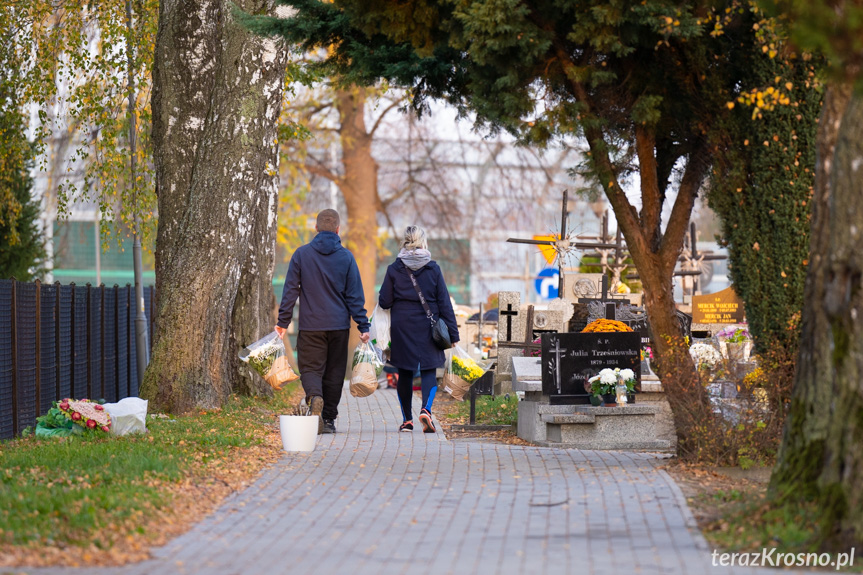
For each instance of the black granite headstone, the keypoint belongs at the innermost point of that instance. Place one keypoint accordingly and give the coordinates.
(636, 318)
(570, 359)
(631, 315)
(684, 320)
(579, 320)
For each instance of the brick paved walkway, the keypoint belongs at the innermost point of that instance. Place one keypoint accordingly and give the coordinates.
(370, 500)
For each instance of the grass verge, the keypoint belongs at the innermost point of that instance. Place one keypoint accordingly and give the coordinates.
(96, 499)
(490, 410)
(735, 516)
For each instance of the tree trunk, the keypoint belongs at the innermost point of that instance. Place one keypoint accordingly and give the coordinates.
(841, 480)
(673, 363)
(217, 93)
(360, 189)
(800, 456)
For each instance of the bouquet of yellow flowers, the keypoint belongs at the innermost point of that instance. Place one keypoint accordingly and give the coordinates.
(460, 372)
(467, 369)
(605, 326)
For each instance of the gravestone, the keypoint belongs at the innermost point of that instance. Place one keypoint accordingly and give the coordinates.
(589, 286)
(570, 359)
(583, 286)
(510, 323)
(635, 299)
(721, 307)
(579, 317)
(633, 316)
(510, 327)
(605, 298)
(550, 320)
(684, 320)
(636, 318)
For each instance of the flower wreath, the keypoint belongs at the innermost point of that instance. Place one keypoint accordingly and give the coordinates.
(86, 413)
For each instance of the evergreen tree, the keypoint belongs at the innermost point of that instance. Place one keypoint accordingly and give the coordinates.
(761, 187)
(21, 247)
(642, 81)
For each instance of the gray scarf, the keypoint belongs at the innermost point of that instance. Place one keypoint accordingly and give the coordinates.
(415, 259)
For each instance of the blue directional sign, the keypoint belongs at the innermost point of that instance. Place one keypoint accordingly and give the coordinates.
(546, 283)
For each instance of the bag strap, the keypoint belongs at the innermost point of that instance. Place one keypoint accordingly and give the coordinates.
(429, 313)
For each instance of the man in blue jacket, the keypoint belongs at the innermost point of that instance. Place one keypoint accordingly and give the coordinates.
(325, 277)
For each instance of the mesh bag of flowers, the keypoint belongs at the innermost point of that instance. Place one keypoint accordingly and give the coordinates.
(268, 358)
(605, 326)
(86, 413)
(460, 372)
(366, 367)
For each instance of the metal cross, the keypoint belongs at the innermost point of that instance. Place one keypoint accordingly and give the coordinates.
(610, 303)
(527, 344)
(509, 313)
(618, 248)
(563, 245)
(690, 263)
(691, 260)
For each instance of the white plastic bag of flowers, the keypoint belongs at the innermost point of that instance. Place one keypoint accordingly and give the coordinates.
(268, 358)
(129, 415)
(366, 367)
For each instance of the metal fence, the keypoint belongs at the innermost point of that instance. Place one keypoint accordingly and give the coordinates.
(59, 341)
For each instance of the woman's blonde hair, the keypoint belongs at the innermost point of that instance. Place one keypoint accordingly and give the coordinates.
(415, 238)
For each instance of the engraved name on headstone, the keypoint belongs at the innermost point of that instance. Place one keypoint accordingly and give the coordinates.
(721, 307)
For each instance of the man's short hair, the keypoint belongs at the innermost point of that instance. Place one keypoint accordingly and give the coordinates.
(328, 221)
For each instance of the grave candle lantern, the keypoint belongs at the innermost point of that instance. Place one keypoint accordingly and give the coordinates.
(621, 392)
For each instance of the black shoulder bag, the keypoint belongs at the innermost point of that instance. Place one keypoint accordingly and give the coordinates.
(440, 333)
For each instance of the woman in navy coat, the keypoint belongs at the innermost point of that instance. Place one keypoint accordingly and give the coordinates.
(412, 346)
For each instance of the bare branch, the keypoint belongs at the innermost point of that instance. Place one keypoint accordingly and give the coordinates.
(377, 123)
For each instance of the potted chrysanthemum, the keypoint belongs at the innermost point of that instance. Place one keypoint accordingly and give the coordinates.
(603, 384)
(610, 384)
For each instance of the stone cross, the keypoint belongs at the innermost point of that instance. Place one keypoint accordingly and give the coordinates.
(528, 336)
(509, 307)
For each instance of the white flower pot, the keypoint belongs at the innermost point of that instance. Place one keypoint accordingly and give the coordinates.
(299, 432)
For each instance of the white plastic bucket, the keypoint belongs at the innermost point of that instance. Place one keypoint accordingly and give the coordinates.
(299, 432)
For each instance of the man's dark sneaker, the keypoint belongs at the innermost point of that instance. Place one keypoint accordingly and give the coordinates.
(316, 406)
(426, 421)
(329, 426)
(407, 426)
